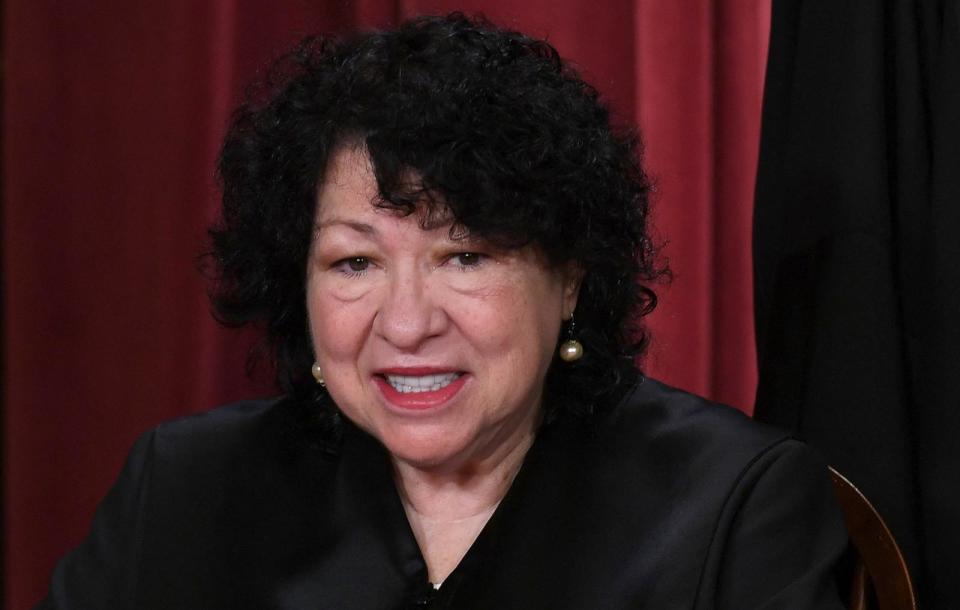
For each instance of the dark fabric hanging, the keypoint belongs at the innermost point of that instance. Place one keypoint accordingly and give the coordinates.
(857, 258)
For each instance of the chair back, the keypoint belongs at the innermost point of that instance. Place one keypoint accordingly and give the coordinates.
(881, 580)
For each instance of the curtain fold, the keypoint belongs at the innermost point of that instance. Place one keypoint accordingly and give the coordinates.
(855, 254)
(113, 114)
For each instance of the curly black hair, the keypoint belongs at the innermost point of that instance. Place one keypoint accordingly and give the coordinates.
(502, 134)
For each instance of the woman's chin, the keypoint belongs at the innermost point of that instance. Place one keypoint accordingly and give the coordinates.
(435, 450)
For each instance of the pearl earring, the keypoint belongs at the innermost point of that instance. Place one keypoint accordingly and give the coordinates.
(317, 373)
(571, 350)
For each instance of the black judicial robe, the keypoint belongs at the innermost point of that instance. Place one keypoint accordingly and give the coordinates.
(666, 501)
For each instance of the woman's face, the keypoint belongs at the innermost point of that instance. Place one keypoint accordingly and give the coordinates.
(436, 347)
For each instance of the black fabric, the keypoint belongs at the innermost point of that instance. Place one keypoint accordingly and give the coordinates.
(857, 258)
(666, 501)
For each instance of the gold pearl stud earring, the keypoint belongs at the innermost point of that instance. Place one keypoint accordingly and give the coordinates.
(317, 373)
(571, 350)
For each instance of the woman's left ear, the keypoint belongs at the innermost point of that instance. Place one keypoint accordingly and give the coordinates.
(572, 278)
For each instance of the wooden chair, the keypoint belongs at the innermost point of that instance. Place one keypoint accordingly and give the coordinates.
(880, 577)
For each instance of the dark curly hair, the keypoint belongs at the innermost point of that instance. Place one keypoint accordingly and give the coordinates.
(502, 134)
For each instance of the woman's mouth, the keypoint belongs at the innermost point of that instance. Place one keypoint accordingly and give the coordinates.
(419, 390)
(406, 384)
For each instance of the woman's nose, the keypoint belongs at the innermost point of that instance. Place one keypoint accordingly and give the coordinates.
(409, 314)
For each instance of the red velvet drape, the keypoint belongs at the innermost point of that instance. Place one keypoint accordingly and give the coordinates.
(113, 112)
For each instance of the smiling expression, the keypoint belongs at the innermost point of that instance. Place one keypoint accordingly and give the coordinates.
(438, 347)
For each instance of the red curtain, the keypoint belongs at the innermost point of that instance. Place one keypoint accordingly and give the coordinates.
(113, 113)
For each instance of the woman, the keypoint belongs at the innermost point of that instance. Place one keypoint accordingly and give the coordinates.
(445, 241)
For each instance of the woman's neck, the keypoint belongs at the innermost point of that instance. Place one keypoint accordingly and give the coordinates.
(447, 509)
(466, 489)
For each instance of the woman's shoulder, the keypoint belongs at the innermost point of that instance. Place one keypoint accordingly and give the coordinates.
(658, 417)
(232, 417)
(697, 493)
(213, 434)
(665, 437)
(189, 485)
(228, 445)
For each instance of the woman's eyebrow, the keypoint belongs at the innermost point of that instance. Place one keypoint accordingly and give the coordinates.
(359, 227)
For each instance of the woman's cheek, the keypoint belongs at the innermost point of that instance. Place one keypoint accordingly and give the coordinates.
(345, 289)
(340, 310)
(489, 281)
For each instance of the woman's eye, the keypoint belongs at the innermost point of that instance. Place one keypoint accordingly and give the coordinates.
(353, 266)
(466, 260)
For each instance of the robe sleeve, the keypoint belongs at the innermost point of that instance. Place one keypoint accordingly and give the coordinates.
(101, 573)
(780, 536)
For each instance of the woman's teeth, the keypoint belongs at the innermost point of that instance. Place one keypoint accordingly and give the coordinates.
(424, 383)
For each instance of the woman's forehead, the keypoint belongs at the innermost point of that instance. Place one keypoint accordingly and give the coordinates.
(349, 194)
(348, 177)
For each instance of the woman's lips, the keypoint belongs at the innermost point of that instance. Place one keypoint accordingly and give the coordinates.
(418, 401)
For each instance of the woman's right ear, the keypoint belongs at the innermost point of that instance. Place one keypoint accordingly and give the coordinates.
(572, 279)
